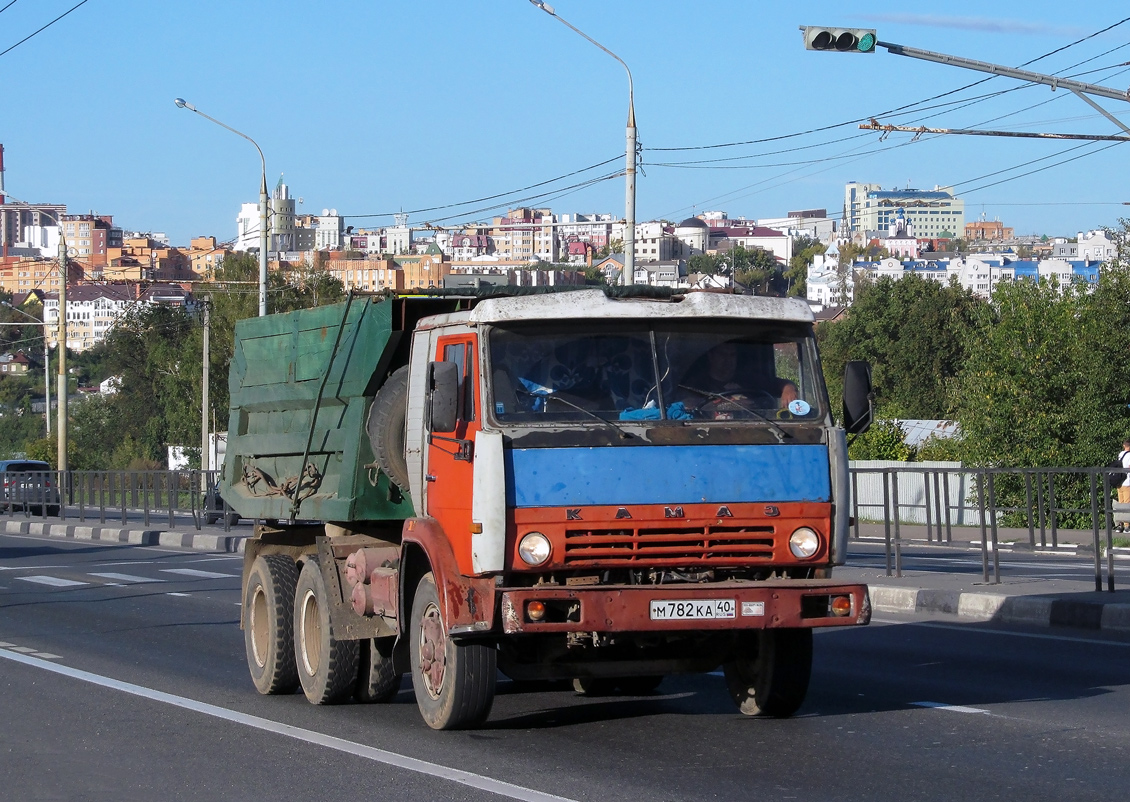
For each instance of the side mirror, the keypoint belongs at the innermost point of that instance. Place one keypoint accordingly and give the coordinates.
(443, 396)
(858, 399)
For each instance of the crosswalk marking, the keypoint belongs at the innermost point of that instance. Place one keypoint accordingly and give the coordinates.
(53, 581)
(23, 649)
(197, 573)
(129, 578)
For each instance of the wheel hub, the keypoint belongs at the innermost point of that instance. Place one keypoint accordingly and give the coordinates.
(433, 650)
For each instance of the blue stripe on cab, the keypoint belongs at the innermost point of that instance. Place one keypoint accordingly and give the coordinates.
(578, 477)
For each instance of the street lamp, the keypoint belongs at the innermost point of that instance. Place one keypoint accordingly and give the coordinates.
(61, 387)
(629, 272)
(46, 362)
(183, 104)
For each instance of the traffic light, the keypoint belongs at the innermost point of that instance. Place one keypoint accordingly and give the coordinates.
(841, 40)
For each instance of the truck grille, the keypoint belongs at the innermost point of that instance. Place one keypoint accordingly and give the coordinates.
(715, 545)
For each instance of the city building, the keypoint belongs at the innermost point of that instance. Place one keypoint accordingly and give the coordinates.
(205, 255)
(21, 275)
(934, 214)
(525, 234)
(367, 275)
(1091, 246)
(980, 231)
(30, 225)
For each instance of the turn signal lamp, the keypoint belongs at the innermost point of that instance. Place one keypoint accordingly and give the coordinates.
(535, 610)
(841, 605)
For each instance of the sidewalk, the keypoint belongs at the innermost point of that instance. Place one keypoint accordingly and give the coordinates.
(1031, 601)
(1041, 601)
(208, 538)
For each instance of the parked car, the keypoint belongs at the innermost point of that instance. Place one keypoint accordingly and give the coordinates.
(28, 483)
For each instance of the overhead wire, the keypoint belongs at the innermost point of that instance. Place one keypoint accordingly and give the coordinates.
(45, 27)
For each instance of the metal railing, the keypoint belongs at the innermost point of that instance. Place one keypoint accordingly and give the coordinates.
(178, 497)
(1044, 500)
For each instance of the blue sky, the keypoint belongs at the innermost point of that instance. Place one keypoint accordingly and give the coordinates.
(370, 107)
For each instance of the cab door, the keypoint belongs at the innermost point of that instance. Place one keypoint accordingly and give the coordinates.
(450, 461)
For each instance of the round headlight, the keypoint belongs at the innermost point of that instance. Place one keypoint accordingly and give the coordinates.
(803, 543)
(534, 549)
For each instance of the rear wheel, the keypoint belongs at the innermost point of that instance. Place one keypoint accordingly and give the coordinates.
(769, 671)
(268, 631)
(377, 677)
(327, 667)
(454, 682)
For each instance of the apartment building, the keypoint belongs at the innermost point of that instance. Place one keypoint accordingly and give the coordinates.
(205, 255)
(367, 275)
(935, 214)
(145, 258)
(27, 224)
(525, 234)
(21, 275)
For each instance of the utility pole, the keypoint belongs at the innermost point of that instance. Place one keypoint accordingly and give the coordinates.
(62, 340)
(205, 452)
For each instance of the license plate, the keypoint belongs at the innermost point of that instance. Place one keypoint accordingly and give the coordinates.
(691, 609)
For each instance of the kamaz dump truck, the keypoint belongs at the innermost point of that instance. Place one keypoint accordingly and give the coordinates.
(558, 486)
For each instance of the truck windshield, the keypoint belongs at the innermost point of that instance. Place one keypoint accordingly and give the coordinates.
(644, 371)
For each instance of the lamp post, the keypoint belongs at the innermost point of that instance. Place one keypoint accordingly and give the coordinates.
(46, 363)
(629, 271)
(183, 104)
(61, 387)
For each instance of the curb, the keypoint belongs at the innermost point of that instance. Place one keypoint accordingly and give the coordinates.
(197, 541)
(1040, 611)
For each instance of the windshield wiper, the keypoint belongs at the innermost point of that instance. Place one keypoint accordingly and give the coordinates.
(777, 430)
(624, 434)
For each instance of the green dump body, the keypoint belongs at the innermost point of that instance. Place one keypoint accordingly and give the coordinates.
(283, 369)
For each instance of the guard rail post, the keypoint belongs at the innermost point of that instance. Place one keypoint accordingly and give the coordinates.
(898, 531)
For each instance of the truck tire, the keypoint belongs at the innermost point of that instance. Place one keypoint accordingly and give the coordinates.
(454, 682)
(377, 677)
(386, 427)
(327, 667)
(268, 633)
(769, 671)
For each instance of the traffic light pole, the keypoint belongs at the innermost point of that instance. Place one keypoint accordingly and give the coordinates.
(1077, 88)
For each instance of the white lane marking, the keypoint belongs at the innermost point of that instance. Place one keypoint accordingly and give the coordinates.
(53, 581)
(212, 559)
(467, 778)
(951, 708)
(46, 656)
(29, 567)
(127, 562)
(176, 594)
(6, 645)
(986, 631)
(127, 578)
(23, 649)
(199, 574)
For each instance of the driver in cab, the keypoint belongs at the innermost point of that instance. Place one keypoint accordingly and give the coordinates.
(718, 392)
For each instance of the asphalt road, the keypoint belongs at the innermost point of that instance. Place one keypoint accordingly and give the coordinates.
(122, 676)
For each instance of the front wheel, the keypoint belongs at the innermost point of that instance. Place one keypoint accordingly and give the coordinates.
(768, 673)
(454, 682)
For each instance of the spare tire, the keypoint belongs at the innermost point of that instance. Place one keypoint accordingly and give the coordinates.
(386, 427)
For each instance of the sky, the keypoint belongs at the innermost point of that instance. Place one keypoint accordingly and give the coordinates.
(375, 106)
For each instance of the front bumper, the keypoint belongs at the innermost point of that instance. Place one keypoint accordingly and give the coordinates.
(626, 608)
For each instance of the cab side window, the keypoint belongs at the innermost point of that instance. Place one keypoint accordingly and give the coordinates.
(460, 353)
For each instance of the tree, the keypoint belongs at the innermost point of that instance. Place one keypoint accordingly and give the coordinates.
(913, 331)
(757, 269)
(706, 263)
(805, 249)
